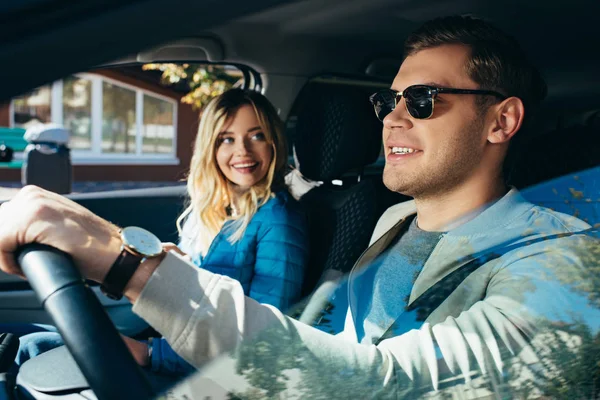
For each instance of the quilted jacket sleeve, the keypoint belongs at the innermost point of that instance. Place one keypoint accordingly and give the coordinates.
(281, 256)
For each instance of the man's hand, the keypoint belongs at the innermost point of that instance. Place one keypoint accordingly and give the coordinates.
(139, 350)
(35, 215)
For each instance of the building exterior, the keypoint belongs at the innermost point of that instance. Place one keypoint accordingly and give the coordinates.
(125, 125)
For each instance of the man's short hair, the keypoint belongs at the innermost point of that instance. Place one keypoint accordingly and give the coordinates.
(497, 62)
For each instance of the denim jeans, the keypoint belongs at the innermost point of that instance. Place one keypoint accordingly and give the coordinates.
(34, 344)
(29, 335)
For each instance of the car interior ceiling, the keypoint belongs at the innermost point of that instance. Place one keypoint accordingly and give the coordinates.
(309, 37)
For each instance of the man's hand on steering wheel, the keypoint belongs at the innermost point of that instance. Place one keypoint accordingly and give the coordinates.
(35, 215)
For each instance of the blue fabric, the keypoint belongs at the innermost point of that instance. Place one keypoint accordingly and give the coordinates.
(508, 221)
(40, 342)
(269, 262)
(34, 344)
(166, 361)
(573, 194)
(34, 339)
(22, 329)
(394, 271)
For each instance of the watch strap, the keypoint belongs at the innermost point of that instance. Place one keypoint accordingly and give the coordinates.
(120, 274)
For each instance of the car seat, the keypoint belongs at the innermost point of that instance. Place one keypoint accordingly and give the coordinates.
(561, 170)
(335, 135)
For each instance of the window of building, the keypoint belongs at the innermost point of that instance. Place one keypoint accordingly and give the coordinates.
(119, 128)
(158, 134)
(77, 111)
(128, 114)
(32, 108)
(110, 121)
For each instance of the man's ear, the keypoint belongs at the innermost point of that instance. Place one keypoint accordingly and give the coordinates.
(507, 118)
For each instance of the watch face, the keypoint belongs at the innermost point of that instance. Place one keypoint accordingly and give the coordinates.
(141, 241)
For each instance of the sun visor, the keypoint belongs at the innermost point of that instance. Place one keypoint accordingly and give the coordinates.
(190, 49)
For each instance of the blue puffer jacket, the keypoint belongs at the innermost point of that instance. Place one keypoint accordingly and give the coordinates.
(269, 262)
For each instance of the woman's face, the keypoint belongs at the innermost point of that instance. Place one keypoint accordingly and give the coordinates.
(243, 153)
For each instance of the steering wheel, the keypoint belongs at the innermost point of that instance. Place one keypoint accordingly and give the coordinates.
(87, 331)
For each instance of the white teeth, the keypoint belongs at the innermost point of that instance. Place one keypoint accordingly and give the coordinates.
(402, 150)
(246, 165)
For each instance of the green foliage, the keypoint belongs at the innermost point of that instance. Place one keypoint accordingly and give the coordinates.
(204, 81)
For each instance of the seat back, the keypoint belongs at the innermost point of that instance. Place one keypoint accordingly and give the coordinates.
(561, 170)
(336, 135)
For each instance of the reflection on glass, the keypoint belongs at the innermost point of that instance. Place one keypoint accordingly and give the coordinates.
(158, 131)
(33, 108)
(513, 314)
(77, 111)
(118, 119)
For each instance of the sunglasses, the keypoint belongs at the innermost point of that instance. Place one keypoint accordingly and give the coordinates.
(419, 99)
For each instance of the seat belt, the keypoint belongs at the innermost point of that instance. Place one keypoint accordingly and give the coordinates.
(420, 309)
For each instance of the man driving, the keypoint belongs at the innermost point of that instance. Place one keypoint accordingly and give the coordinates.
(467, 283)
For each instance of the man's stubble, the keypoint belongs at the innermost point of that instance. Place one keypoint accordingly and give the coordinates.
(450, 166)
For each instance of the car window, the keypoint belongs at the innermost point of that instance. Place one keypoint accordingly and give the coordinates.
(120, 117)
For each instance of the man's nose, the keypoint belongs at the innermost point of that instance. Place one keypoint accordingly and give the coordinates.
(398, 118)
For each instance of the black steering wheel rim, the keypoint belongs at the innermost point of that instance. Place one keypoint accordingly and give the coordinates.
(87, 331)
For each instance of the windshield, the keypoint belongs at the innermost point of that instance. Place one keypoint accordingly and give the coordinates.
(342, 231)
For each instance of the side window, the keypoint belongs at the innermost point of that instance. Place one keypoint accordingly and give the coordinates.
(117, 114)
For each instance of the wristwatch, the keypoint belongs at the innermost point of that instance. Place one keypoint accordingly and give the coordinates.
(138, 245)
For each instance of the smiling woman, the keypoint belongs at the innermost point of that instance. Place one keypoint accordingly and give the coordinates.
(244, 154)
(239, 161)
(238, 206)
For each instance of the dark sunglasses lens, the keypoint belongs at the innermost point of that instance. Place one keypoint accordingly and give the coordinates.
(419, 102)
(384, 103)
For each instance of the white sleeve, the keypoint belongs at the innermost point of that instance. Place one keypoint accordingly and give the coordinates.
(204, 315)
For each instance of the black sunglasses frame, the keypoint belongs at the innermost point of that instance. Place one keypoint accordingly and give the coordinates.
(432, 92)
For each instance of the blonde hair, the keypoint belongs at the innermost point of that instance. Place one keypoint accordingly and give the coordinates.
(209, 191)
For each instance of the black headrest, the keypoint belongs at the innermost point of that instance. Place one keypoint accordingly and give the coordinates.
(557, 153)
(336, 130)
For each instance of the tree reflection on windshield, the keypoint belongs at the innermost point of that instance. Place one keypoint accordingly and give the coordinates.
(528, 331)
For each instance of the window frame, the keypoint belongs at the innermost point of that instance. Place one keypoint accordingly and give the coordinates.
(95, 155)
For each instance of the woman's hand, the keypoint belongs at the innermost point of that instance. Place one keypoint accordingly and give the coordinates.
(168, 246)
(139, 350)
